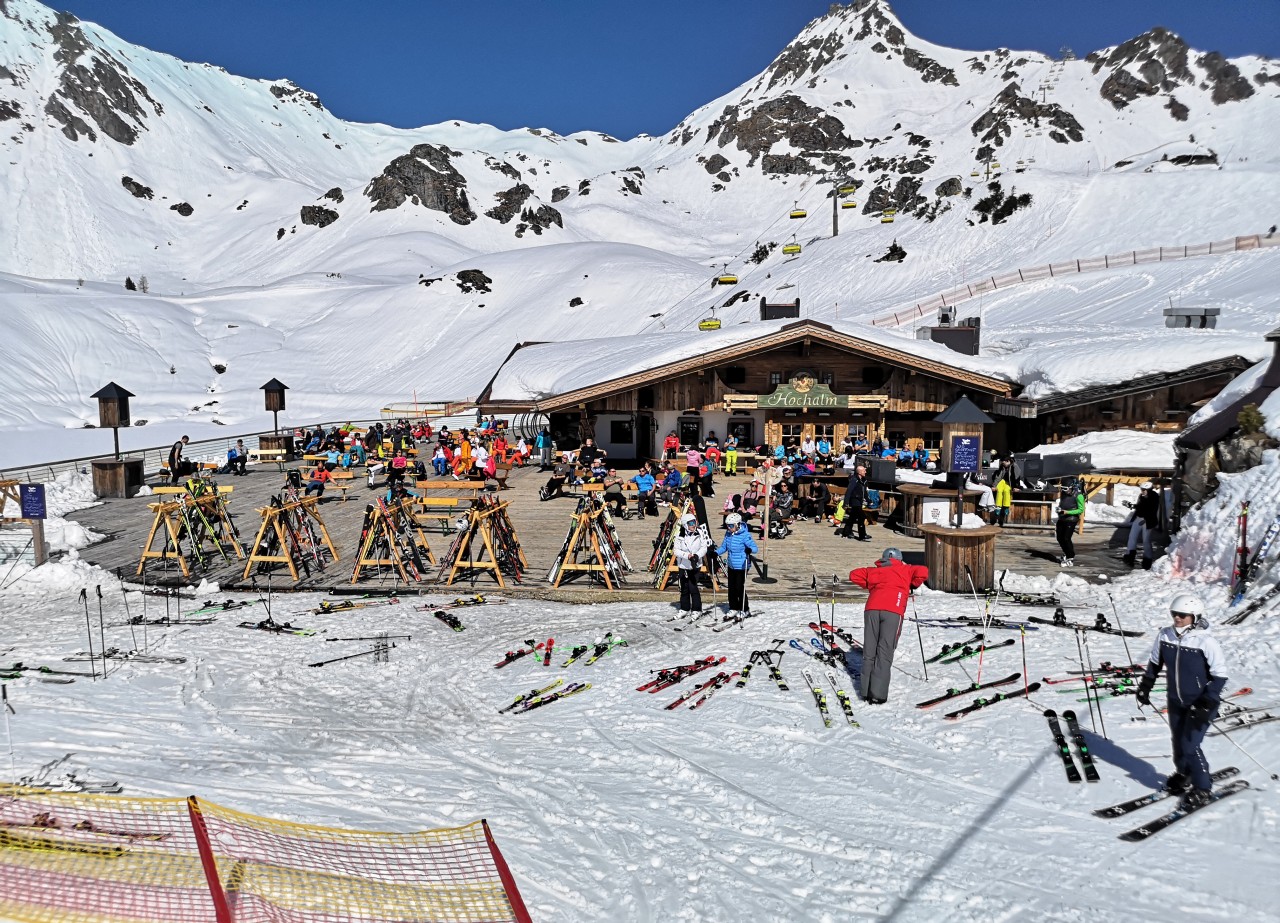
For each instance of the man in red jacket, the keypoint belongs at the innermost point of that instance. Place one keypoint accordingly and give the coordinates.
(889, 582)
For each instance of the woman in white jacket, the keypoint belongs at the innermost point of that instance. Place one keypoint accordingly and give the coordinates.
(690, 550)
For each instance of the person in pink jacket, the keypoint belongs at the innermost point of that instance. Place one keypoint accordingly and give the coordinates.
(890, 583)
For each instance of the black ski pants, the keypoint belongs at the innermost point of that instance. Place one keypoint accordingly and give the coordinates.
(1066, 528)
(853, 515)
(738, 601)
(690, 592)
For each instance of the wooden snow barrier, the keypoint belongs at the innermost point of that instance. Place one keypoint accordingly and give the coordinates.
(277, 540)
(111, 859)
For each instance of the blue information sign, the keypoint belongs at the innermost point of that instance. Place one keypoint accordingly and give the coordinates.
(964, 453)
(32, 501)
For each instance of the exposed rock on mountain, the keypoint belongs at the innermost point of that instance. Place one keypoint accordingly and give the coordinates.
(183, 209)
(510, 201)
(318, 215)
(426, 177)
(996, 124)
(802, 126)
(100, 86)
(288, 91)
(136, 188)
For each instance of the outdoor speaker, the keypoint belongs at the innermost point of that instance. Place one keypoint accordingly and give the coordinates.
(1031, 466)
(880, 470)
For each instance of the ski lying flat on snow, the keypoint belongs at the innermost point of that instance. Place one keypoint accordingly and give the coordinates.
(1240, 722)
(1064, 748)
(530, 696)
(983, 703)
(716, 684)
(571, 689)
(966, 652)
(718, 678)
(818, 696)
(114, 653)
(346, 605)
(1138, 834)
(512, 656)
(1106, 668)
(1128, 807)
(843, 698)
(164, 622)
(672, 675)
(285, 629)
(1099, 624)
(952, 693)
(450, 619)
(1077, 738)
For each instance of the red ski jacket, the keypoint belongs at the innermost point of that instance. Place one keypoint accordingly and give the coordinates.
(889, 584)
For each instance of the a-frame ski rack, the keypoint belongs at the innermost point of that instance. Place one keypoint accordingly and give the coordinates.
(172, 519)
(9, 491)
(273, 523)
(584, 538)
(672, 567)
(481, 520)
(383, 534)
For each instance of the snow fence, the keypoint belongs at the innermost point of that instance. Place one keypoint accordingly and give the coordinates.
(106, 859)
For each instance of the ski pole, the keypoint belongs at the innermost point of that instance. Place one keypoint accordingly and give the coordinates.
(915, 617)
(1089, 681)
(102, 632)
(1120, 628)
(127, 614)
(8, 732)
(1089, 654)
(1225, 733)
(1022, 630)
(88, 630)
(986, 621)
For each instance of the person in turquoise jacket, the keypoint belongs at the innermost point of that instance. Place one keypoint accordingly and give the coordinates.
(738, 546)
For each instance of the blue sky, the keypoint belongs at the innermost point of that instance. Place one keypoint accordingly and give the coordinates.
(601, 65)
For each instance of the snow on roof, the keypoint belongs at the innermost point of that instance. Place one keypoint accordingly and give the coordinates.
(544, 370)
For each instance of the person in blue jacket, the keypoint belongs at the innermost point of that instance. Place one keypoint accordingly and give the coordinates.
(1193, 663)
(738, 546)
(645, 485)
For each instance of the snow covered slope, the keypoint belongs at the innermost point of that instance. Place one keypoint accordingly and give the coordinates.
(244, 202)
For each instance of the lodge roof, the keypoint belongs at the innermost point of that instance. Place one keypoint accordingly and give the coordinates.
(552, 375)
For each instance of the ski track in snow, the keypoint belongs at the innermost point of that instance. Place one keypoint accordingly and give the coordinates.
(609, 807)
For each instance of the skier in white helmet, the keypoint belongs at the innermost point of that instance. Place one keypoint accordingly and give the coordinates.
(690, 550)
(1193, 664)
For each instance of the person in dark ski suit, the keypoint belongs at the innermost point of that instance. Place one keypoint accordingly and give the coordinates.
(739, 546)
(1142, 526)
(690, 548)
(1070, 509)
(889, 582)
(1193, 663)
(855, 498)
(175, 460)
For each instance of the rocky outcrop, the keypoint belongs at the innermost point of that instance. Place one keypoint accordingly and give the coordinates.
(904, 196)
(789, 118)
(538, 220)
(183, 209)
(501, 166)
(425, 177)
(9, 110)
(288, 91)
(800, 58)
(715, 163)
(473, 280)
(1151, 63)
(1227, 84)
(560, 193)
(510, 201)
(96, 84)
(1010, 107)
(318, 216)
(949, 187)
(334, 195)
(1177, 109)
(136, 188)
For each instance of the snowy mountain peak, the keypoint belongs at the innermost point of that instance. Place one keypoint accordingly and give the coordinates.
(1159, 61)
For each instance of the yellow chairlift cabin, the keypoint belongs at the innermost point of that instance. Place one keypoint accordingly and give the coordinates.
(726, 277)
(848, 189)
(975, 173)
(886, 218)
(995, 166)
(798, 212)
(890, 211)
(848, 203)
(711, 323)
(792, 248)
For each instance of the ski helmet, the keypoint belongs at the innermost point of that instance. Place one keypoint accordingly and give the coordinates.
(1187, 604)
(689, 521)
(890, 554)
(733, 519)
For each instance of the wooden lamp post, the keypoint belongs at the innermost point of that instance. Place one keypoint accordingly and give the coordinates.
(273, 392)
(115, 477)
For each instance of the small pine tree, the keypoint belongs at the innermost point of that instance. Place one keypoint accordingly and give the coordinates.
(143, 285)
(1250, 419)
(128, 284)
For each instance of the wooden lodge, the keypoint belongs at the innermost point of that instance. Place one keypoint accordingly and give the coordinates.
(807, 378)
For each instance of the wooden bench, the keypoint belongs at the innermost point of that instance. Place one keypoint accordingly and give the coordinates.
(342, 480)
(177, 489)
(468, 490)
(502, 472)
(268, 456)
(443, 510)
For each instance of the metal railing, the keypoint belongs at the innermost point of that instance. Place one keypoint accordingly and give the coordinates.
(970, 290)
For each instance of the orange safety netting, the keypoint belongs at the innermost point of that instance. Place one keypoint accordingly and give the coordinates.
(79, 858)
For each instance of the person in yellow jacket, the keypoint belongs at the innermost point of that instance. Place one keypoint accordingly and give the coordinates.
(1004, 500)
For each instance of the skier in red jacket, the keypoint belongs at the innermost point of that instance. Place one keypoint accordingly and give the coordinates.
(890, 582)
